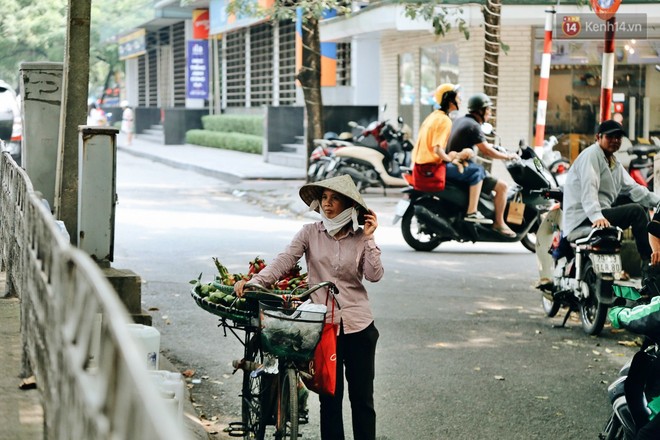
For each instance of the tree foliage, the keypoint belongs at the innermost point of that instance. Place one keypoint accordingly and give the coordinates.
(30, 31)
(444, 18)
(35, 30)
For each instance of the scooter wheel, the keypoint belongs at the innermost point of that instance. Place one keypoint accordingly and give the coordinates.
(592, 312)
(415, 234)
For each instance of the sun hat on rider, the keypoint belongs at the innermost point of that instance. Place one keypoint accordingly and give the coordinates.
(444, 88)
(478, 102)
(311, 194)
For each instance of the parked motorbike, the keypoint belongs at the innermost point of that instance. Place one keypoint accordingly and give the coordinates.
(323, 154)
(582, 270)
(554, 161)
(378, 157)
(396, 142)
(429, 219)
(641, 165)
(635, 394)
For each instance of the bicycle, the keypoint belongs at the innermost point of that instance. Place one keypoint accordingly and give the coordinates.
(271, 356)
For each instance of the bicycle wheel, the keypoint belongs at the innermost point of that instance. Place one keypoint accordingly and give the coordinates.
(252, 408)
(287, 406)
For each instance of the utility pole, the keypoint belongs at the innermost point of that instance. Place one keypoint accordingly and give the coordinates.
(74, 110)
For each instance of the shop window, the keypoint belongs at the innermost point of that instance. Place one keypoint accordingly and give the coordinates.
(438, 65)
(406, 86)
(179, 64)
(261, 65)
(236, 68)
(287, 66)
(343, 64)
(573, 111)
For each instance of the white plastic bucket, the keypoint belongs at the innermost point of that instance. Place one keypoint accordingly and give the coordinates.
(171, 387)
(148, 340)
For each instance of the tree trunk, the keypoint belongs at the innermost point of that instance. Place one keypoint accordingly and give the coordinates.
(310, 81)
(491, 13)
(73, 113)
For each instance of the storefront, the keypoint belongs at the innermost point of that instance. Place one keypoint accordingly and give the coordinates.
(575, 87)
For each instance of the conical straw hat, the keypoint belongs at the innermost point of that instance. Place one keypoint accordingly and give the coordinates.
(343, 185)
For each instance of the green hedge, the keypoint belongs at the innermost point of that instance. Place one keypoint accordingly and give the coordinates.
(230, 141)
(246, 124)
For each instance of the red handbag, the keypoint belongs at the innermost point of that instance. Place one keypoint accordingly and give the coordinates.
(321, 376)
(429, 177)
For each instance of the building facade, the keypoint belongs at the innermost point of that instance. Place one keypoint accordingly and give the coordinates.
(383, 58)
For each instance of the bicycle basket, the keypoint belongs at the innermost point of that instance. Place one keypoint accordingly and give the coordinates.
(290, 333)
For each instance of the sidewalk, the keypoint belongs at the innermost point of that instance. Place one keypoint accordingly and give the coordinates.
(228, 165)
(21, 413)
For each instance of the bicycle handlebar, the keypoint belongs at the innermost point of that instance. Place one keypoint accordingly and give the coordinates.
(255, 291)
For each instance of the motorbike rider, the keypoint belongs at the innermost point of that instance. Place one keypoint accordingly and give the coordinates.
(432, 142)
(466, 133)
(599, 191)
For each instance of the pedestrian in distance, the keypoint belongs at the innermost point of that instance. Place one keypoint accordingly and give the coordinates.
(127, 122)
(96, 116)
(466, 132)
(337, 249)
(600, 192)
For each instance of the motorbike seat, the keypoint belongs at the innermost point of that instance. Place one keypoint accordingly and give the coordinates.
(644, 150)
(594, 234)
(579, 232)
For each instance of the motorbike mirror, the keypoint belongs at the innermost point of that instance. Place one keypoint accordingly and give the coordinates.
(521, 143)
(487, 128)
(400, 119)
(352, 124)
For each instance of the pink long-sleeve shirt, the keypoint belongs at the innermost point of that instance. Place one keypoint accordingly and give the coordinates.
(345, 262)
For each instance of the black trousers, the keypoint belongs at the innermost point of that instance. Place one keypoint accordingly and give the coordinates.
(632, 215)
(356, 353)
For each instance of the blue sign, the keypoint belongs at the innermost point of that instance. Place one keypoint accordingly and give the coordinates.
(197, 83)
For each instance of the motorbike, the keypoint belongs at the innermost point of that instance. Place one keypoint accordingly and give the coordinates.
(429, 219)
(577, 271)
(635, 393)
(383, 135)
(379, 156)
(323, 154)
(554, 161)
(641, 165)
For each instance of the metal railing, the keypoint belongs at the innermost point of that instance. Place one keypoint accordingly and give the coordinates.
(74, 328)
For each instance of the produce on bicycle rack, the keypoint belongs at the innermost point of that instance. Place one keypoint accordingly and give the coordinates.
(293, 279)
(220, 291)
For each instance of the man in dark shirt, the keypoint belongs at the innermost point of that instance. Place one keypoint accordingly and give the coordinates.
(466, 133)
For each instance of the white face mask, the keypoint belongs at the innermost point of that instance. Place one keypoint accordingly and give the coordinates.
(334, 225)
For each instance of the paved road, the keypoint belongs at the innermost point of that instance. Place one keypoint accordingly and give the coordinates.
(465, 351)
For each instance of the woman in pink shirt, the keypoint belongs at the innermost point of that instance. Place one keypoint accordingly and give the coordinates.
(336, 249)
